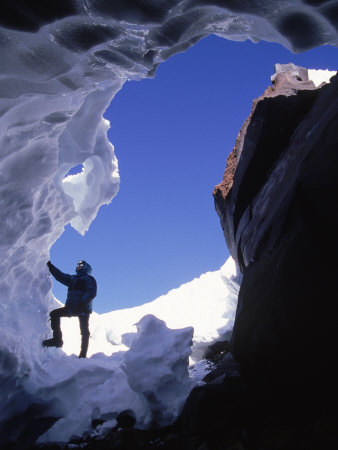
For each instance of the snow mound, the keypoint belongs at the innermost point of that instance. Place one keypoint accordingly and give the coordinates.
(320, 76)
(157, 367)
(151, 379)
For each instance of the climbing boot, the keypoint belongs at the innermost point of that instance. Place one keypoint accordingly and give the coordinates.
(52, 343)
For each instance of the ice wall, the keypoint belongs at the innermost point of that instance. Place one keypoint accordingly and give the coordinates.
(61, 65)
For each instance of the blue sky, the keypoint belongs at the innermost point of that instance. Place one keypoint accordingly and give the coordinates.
(172, 135)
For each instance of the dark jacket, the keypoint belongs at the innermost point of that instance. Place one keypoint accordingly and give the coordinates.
(81, 289)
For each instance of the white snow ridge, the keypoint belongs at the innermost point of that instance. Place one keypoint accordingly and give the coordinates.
(61, 66)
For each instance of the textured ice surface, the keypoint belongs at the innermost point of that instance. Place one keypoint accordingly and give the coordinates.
(157, 367)
(151, 379)
(61, 66)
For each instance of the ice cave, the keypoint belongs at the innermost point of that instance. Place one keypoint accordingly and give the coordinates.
(62, 63)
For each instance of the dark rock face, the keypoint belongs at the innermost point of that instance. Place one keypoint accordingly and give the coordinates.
(277, 205)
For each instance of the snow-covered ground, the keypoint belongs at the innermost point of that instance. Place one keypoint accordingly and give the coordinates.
(138, 358)
(151, 379)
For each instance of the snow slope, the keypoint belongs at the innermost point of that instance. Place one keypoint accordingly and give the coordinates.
(207, 304)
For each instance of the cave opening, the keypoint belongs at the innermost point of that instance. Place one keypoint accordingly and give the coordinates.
(172, 139)
(172, 135)
(74, 170)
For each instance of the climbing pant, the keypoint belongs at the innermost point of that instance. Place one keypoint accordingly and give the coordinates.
(55, 317)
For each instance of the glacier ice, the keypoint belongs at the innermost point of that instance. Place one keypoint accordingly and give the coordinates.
(151, 379)
(61, 66)
(157, 367)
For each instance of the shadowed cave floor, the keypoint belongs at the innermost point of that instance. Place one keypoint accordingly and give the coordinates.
(228, 413)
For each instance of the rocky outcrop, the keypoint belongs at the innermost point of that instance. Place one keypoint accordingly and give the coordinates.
(278, 208)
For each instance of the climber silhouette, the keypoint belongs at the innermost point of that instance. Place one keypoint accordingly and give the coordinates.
(81, 291)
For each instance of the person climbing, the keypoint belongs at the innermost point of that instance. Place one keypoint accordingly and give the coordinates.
(82, 290)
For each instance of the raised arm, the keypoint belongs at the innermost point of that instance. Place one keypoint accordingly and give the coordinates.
(63, 278)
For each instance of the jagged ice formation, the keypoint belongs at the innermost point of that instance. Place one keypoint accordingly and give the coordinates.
(61, 65)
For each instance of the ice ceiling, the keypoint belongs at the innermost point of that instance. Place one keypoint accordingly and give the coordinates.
(61, 65)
